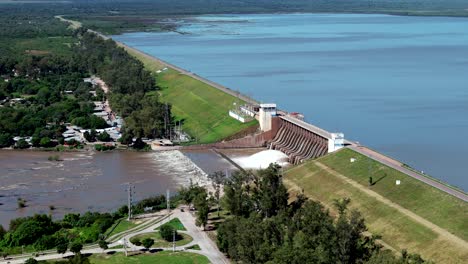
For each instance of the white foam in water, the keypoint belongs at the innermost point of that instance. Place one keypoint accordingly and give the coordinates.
(262, 159)
(176, 163)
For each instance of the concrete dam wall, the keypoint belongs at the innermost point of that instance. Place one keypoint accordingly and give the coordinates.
(298, 143)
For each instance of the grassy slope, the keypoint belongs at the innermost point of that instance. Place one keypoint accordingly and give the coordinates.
(426, 201)
(123, 225)
(398, 230)
(203, 108)
(159, 257)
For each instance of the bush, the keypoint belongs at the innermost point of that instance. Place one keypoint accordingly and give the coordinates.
(76, 247)
(45, 142)
(167, 232)
(31, 261)
(104, 137)
(100, 147)
(22, 144)
(135, 241)
(147, 242)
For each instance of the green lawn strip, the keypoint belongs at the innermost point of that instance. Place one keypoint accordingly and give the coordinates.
(137, 228)
(150, 258)
(121, 226)
(160, 242)
(430, 203)
(398, 230)
(203, 108)
(175, 223)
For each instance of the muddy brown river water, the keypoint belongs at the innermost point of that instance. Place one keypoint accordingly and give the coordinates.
(90, 181)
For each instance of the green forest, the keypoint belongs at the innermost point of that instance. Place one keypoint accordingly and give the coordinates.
(42, 66)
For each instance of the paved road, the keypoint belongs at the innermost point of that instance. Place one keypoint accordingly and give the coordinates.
(398, 166)
(208, 248)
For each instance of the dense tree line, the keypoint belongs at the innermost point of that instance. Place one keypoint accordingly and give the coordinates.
(265, 228)
(41, 92)
(41, 232)
(145, 115)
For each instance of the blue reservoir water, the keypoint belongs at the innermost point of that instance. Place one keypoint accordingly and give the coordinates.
(396, 84)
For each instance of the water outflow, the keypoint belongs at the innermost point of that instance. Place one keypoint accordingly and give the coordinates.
(262, 159)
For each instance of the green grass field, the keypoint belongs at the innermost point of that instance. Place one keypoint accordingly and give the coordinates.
(150, 258)
(175, 223)
(399, 231)
(159, 242)
(202, 108)
(121, 226)
(39, 46)
(426, 201)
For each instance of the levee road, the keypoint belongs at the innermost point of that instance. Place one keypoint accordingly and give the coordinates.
(399, 167)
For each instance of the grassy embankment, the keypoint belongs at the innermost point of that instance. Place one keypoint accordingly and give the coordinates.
(159, 257)
(202, 108)
(176, 224)
(183, 239)
(323, 180)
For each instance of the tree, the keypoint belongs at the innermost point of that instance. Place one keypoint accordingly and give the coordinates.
(103, 244)
(76, 247)
(167, 232)
(217, 180)
(6, 140)
(136, 241)
(147, 243)
(201, 204)
(31, 261)
(270, 195)
(2, 232)
(62, 248)
(22, 144)
(237, 194)
(45, 142)
(104, 137)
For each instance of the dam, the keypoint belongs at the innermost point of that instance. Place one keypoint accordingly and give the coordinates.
(295, 137)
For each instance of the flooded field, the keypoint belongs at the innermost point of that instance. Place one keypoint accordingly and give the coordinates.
(84, 181)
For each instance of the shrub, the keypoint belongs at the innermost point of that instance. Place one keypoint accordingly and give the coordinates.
(167, 232)
(147, 242)
(76, 247)
(135, 241)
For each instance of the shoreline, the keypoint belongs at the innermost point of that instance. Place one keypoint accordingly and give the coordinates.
(222, 88)
(176, 17)
(408, 171)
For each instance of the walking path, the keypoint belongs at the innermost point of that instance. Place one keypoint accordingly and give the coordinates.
(399, 167)
(437, 229)
(200, 238)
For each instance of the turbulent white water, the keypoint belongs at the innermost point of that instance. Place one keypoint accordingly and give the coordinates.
(177, 163)
(262, 159)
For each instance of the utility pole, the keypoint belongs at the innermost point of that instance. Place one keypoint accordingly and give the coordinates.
(173, 240)
(130, 201)
(168, 202)
(125, 247)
